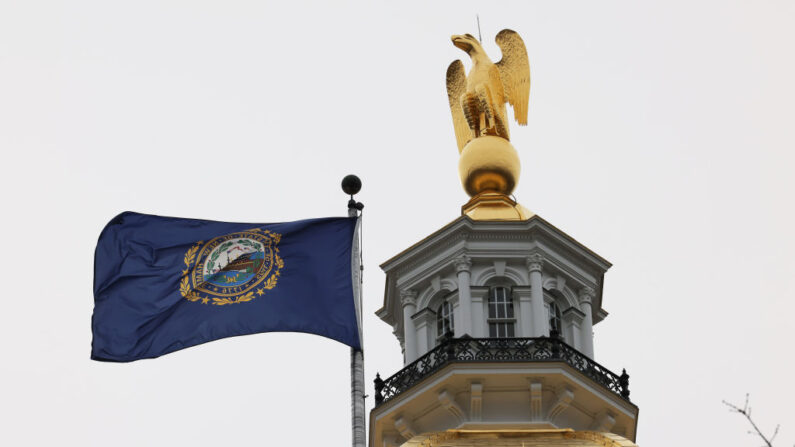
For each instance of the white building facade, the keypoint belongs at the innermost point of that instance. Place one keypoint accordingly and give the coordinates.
(495, 320)
(494, 279)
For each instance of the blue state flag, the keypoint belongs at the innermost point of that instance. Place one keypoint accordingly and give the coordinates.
(162, 284)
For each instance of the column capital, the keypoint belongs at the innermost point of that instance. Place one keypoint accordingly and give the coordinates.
(586, 295)
(408, 297)
(462, 263)
(534, 262)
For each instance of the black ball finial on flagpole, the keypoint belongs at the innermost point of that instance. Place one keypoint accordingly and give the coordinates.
(351, 185)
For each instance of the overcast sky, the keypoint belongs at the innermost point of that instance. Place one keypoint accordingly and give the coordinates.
(660, 136)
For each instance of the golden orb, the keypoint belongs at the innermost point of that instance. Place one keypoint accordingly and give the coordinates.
(489, 164)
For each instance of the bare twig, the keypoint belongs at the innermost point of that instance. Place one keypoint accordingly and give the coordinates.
(746, 411)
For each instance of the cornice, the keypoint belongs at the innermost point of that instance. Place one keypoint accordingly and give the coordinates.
(464, 229)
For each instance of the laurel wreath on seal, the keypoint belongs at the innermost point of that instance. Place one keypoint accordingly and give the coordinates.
(190, 295)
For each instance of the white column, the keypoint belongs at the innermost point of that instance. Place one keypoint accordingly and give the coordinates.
(423, 328)
(572, 320)
(463, 266)
(408, 298)
(455, 301)
(586, 298)
(525, 311)
(534, 264)
(478, 319)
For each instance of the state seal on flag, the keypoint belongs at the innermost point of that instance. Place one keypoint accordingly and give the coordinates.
(233, 268)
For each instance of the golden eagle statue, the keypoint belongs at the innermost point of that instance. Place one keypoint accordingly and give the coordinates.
(477, 100)
(489, 165)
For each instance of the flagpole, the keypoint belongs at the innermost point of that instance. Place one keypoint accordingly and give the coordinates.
(351, 185)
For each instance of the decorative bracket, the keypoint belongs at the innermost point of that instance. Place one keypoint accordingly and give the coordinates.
(449, 404)
(535, 401)
(604, 421)
(565, 396)
(404, 428)
(475, 401)
(499, 268)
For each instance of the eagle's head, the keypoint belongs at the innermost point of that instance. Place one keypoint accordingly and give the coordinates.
(468, 43)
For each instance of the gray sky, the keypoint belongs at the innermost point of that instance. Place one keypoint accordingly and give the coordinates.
(660, 135)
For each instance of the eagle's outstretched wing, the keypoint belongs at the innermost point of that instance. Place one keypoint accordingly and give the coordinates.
(456, 86)
(514, 72)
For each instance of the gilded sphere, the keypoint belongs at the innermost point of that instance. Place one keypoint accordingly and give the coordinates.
(489, 164)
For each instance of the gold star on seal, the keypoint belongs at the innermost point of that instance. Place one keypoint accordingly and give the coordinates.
(205, 300)
(260, 292)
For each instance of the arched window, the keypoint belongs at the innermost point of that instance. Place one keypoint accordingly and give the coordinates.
(501, 318)
(444, 319)
(554, 320)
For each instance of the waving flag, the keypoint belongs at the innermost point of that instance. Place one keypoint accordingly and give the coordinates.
(162, 284)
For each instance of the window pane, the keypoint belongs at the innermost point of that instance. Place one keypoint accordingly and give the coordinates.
(554, 319)
(500, 308)
(444, 319)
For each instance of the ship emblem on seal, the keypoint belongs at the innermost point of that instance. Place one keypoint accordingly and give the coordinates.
(233, 268)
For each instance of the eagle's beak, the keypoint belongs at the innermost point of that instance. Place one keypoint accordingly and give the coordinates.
(460, 42)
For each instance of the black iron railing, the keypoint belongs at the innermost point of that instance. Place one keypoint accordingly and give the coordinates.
(471, 350)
